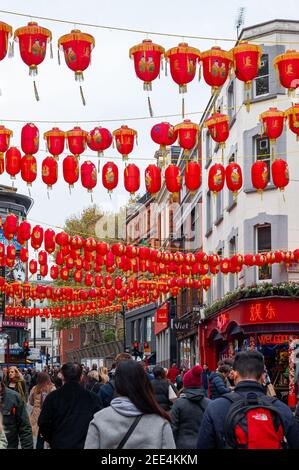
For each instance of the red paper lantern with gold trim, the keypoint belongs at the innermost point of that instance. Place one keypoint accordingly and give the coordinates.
(24, 230)
(88, 175)
(99, 139)
(272, 121)
(292, 115)
(55, 139)
(10, 226)
(259, 175)
(37, 236)
(183, 60)
(193, 176)
(49, 171)
(33, 41)
(147, 61)
(49, 240)
(187, 135)
(5, 135)
(24, 254)
(77, 140)
(280, 173)
(43, 270)
(5, 34)
(287, 66)
(33, 266)
(124, 140)
(30, 139)
(77, 47)
(153, 180)
(13, 162)
(28, 169)
(234, 178)
(216, 64)
(70, 170)
(11, 252)
(206, 282)
(42, 257)
(218, 125)
(164, 134)
(216, 178)
(64, 274)
(110, 176)
(246, 65)
(173, 180)
(132, 178)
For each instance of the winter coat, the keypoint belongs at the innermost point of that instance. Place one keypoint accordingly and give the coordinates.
(66, 414)
(15, 421)
(211, 432)
(36, 400)
(93, 386)
(111, 424)
(217, 385)
(205, 378)
(172, 374)
(20, 388)
(161, 391)
(107, 392)
(186, 417)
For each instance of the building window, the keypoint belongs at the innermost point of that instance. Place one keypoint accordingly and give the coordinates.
(231, 199)
(263, 235)
(70, 337)
(43, 319)
(219, 205)
(171, 231)
(262, 151)
(261, 83)
(148, 329)
(233, 280)
(208, 148)
(209, 211)
(43, 333)
(231, 101)
(132, 331)
(193, 221)
(220, 285)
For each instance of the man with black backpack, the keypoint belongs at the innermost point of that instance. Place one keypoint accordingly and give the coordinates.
(246, 418)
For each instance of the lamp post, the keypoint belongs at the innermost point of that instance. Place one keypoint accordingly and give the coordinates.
(123, 312)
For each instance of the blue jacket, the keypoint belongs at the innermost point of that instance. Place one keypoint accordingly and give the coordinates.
(205, 378)
(211, 433)
(217, 385)
(107, 393)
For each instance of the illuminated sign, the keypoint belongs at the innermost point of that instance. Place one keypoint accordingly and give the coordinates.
(261, 312)
(162, 315)
(275, 339)
(222, 320)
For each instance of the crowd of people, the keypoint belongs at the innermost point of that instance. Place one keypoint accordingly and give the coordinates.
(73, 407)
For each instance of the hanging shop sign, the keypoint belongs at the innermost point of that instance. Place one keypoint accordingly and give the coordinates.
(274, 339)
(182, 325)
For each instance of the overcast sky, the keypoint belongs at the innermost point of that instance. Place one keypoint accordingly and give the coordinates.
(111, 88)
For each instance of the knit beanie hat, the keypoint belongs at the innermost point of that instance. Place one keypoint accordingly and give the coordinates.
(192, 379)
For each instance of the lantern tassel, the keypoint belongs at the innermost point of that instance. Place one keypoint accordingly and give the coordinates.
(99, 164)
(70, 189)
(11, 49)
(29, 191)
(284, 199)
(91, 198)
(82, 96)
(51, 50)
(247, 102)
(58, 56)
(199, 73)
(35, 91)
(165, 68)
(48, 194)
(150, 106)
(272, 153)
(183, 107)
(222, 154)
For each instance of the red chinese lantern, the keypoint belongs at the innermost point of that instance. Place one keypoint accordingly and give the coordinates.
(77, 140)
(183, 60)
(62, 239)
(49, 171)
(5, 34)
(233, 176)
(147, 62)
(42, 257)
(28, 169)
(280, 174)
(77, 47)
(110, 176)
(216, 178)
(99, 139)
(78, 275)
(187, 135)
(124, 140)
(43, 270)
(64, 274)
(153, 179)
(24, 254)
(24, 230)
(30, 139)
(37, 236)
(33, 266)
(76, 242)
(11, 252)
(249, 260)
(216, 64)
(55, 139)
(164, 134)
(5, 135)
(287, 66)
(206, 282)
(10, 226)
(13, 162)
(246, 64)
(292, 115)
(225, 265)
(88, 175)
(218, 125)
(173, 180)
(193, 176)
(2, 164)
(272, 125)
(33, 41)
(49, 241)
(70, 170)
(132, 178)
(260, 175)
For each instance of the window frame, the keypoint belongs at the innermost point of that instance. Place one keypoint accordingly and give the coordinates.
(258, 251)
(254, 89)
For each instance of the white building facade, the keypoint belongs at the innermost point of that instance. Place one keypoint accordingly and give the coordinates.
(251, 223)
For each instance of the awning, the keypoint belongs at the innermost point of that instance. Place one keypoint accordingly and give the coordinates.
(217, 337)
(236, 330)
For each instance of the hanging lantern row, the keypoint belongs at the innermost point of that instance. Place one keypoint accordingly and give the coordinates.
(244, 59)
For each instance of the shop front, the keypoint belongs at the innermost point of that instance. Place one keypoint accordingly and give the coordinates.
(187, 339)
(270, 325)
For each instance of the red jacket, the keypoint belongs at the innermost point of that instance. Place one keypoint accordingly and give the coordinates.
(172, 373)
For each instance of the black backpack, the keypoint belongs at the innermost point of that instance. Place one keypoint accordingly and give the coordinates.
(253, 422)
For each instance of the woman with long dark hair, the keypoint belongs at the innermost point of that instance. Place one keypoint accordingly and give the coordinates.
(36, 399)
(134, 419)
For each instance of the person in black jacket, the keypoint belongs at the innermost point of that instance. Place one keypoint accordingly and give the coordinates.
(187, 411)
(67, 412)
(249, 368)
(161, 388)
(218, 382)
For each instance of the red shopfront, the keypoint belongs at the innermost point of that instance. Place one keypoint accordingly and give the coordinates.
(270, 325)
